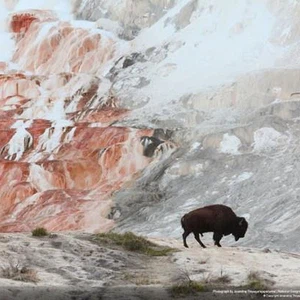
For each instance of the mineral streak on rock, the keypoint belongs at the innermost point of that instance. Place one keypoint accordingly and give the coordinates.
(60, 158)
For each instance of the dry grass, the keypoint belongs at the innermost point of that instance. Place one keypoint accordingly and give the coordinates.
(186, 286)
(130, 241)
(16, 272)
(139, 279)
(256, 282)
(223, 279)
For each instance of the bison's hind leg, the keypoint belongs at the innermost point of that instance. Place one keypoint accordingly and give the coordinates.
(217, 238)
(196, 235)
(184, 236)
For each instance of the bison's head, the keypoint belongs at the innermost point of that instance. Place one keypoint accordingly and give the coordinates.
(240, 228)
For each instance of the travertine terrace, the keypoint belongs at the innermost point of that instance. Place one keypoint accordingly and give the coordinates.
(60, 158)
(126, 114)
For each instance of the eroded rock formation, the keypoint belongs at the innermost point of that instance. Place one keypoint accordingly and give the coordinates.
(60, 158)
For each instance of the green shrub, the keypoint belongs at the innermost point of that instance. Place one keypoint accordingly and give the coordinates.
(40, 231)
(187, 288)
(131, 242)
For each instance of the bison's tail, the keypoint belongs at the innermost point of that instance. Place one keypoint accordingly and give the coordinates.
(182, 222)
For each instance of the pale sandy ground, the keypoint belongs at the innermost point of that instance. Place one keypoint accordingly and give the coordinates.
(237, 262)
(71, 266)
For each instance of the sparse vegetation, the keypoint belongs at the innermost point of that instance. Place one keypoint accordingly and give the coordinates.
(164, 251)
(39, 231)
(187, 288)
(16, 272)
(138, 279)
(132, 242)
(223, 279)
(256, 282)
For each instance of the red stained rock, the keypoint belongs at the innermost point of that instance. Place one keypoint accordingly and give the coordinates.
(78, 175)
(56, 210)
(70, 190)
(17, 89)
(18, 171)
(3, 66)
(21, 21)
(104, 115)
(65, 176)
(63, 49)
(14, 194)
(5, 136)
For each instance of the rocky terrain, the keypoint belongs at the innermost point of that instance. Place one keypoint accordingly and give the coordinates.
(75, 266)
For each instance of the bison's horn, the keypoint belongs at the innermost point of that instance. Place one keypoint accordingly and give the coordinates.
(241, 221)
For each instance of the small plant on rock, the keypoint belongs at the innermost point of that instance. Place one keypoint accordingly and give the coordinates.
(187, 288)
(19, 273)
(256, 282)
(221, 280)
(39, 231)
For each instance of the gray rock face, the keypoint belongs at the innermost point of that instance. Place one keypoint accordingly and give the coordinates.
(130, 15)
(259, 181)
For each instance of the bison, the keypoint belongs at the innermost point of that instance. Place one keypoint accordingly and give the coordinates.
(219, 219)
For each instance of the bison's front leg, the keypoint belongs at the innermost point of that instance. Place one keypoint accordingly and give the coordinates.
(196, 235)
(184, 236)
(217, 238)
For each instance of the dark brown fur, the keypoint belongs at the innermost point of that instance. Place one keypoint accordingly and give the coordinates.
(219, 219)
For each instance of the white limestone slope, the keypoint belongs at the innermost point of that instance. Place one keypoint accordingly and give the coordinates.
(198, 46)
(191, 48)
(5, 38)
(218, 41)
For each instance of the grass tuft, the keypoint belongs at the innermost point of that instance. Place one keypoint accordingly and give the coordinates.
(187, 288)
(223, 279)
(256, 282)
(40, 231)
(139, 279)
(131, 242)
(15, 272)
